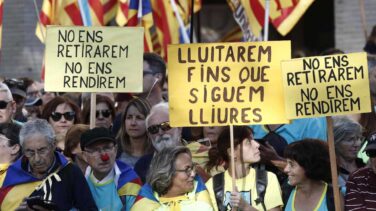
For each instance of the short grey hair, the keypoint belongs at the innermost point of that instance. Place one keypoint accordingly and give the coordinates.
(38, 126)
(157, 109)
(5, 88)
(162, 168)
(345, 129)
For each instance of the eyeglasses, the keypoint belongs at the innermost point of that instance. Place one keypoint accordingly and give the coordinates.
(188, 171)
(105, 113)
(147, 73)
(98, 151)
(154, 129)
(3, 104)
(56, 116)
(41, 152)
(371, 153)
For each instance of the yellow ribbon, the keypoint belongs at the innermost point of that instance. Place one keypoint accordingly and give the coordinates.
(173, 202)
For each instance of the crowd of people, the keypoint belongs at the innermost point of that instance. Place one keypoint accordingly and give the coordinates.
(133, 159)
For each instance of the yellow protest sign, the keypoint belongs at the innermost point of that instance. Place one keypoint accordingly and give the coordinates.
(94, 59)
(326, 85)
(226, 83)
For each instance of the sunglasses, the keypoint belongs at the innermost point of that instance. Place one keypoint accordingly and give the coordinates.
(154, 129)
(371, 153)
(105, 113)
(56, 116)
(3, 104)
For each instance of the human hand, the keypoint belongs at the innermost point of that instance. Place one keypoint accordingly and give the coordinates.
(268, 153)
(237, 201)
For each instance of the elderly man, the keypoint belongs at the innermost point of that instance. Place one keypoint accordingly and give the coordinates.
(361, 185)
(42, 172)
(113, 184)
(162, 135)
(10, 151)
(7, 108)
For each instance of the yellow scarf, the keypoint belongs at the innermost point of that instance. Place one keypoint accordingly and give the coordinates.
(173, 202)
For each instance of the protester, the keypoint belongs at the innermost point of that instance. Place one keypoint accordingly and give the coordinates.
(172, 183)
(61, 113)
(275, 138)
(163, 135)
(348, 140)
(7, 109)
(43, 172)
(113, 184)
(72, 147)
(246, 152)
(10, 151)
(133, 138)
(18, 90)
(154, 75)
(104, 112)
(308, 170)
(361, 185)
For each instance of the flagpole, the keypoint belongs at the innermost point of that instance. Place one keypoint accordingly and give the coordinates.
(39, 21)
(192, 20)
(180, 21)
(85, 15)
(266, 20)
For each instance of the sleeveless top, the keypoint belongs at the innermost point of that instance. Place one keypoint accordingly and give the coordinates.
(320, 206)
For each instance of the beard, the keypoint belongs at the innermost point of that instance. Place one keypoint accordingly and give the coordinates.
(166, 140)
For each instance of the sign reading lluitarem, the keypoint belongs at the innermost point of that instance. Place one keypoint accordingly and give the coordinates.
(94, 59)
(226, 83)
(326, 85)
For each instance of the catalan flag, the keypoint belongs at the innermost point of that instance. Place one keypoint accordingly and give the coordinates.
(140, 14)
(284, 14)
(67, 13)
(186, 6)
(166, 24)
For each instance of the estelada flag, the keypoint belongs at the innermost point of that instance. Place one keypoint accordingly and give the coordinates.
(284, 14)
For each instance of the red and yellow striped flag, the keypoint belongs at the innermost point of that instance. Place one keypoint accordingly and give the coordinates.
(284, 14)
(67, 13)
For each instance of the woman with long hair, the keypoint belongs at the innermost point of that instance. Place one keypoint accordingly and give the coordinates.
(132, 136)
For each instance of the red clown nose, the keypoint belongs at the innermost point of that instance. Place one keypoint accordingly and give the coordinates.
(105, 157)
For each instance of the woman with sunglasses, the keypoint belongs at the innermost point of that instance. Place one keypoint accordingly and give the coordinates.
(172, 184)
(132, 136)
(104, 112)
(245, 195)
(61, 113)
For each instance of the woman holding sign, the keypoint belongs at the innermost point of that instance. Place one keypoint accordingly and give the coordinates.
(245, 196)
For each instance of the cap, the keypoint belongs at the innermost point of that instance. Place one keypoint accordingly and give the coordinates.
(371, 145)
(33, 101)
(17, 91)
(96, 135)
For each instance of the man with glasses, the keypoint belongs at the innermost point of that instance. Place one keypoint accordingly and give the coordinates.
(7, 110)
(154, 76)
(113, 184)
(361, 185)
(44, 175)
(162, 135)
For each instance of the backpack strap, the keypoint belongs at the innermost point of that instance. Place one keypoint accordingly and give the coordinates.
(218, 186)
(330, 198)
(261, 183)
